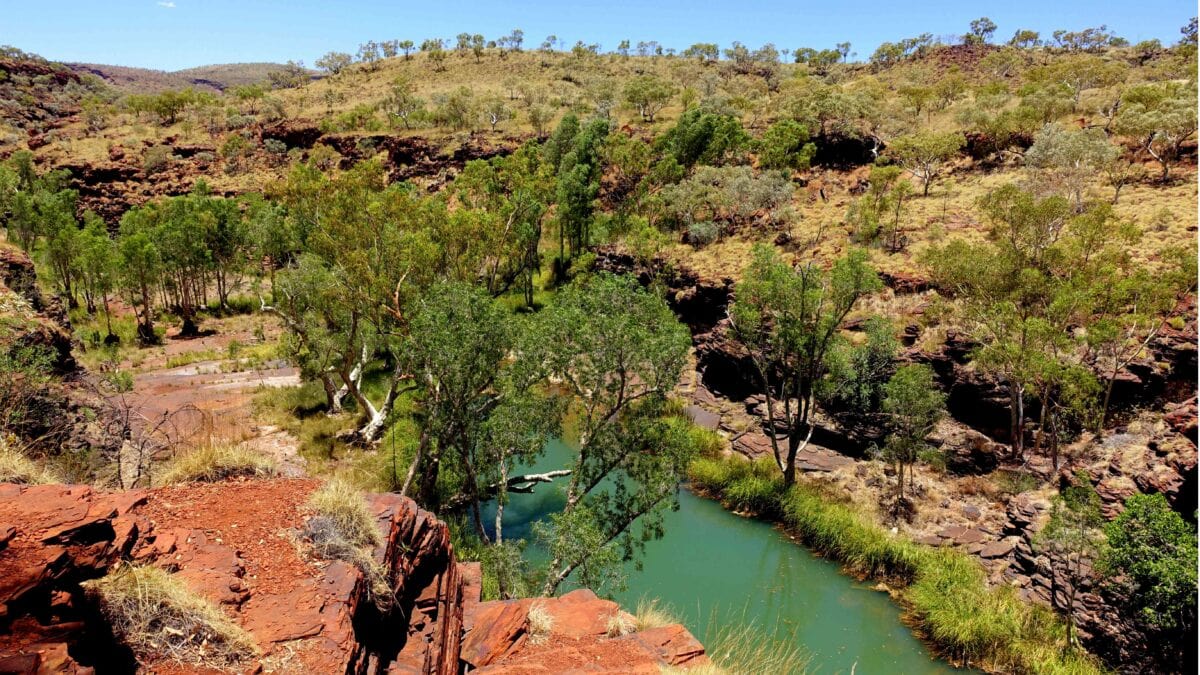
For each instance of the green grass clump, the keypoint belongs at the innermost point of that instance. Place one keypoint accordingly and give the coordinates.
(945, 591)
(156, 614)
(188, 358)
(213, 463)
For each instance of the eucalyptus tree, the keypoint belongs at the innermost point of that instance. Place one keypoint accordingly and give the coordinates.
(515, 193)
(1161, 116)
(1070, 159)
(915, 405)
(618, 352)
(789, 318)
(98, 267)
(140, 264)
(923, 154)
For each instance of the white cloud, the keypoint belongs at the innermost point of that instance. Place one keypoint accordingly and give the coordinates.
(169, 4)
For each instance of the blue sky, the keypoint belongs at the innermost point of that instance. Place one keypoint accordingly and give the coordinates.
(172, 34)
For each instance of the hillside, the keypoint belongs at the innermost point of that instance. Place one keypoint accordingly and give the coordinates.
(213, 78)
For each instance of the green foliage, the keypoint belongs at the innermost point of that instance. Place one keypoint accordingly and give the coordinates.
(1161, 116)
(784, 145)
(857, 373)
(915, 404)
(700, 137)
(1153, 550)
(728, 197)
(648, 95)
(619, 351)
(788, 319)
(923, 154)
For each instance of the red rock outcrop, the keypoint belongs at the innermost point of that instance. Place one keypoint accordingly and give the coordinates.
(236, 544)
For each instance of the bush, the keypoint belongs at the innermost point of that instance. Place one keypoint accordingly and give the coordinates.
(153, 612)
(703, 233)
(1153, 550)
(214, 463)
(732, 196)
(157, 159)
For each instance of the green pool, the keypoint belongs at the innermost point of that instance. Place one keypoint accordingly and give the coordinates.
(714, 567)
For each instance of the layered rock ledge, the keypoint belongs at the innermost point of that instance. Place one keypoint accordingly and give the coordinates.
(238, 544)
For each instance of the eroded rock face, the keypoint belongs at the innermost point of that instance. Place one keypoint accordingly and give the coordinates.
(237, 544)
(35, 320)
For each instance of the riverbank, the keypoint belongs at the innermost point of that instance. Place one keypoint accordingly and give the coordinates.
(943, 591)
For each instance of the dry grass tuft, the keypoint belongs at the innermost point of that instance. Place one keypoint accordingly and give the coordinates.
(15, 467)
(343, 528)
(214, 463)
(344, 506)
(649, 614)
(156, 614)
(620, 624)
(540, 622)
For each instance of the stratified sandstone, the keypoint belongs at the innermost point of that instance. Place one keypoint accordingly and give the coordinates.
(237, 544)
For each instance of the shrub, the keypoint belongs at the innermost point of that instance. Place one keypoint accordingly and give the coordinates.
(152, 611)
(1153, 550)
(731, 196)
(156, 159)
(703, 233)
(218, 462)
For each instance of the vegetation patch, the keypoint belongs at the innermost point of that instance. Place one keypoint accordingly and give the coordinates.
(15, 467)
(343, 528)
(213, 463)
(945, 591)
(156, 614)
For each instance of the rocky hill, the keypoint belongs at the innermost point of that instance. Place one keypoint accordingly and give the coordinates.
(215, 78)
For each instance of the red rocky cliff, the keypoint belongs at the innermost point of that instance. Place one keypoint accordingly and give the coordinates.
(235, 543)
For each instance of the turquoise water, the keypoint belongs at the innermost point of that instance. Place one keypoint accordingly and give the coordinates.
(713, 567)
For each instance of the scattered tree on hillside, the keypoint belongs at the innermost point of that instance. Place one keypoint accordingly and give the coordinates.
(1161, 116)
(334, 62)
(923, 154)
(1070, 159)
(648, 95)
(981, 32)
(403, 103)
